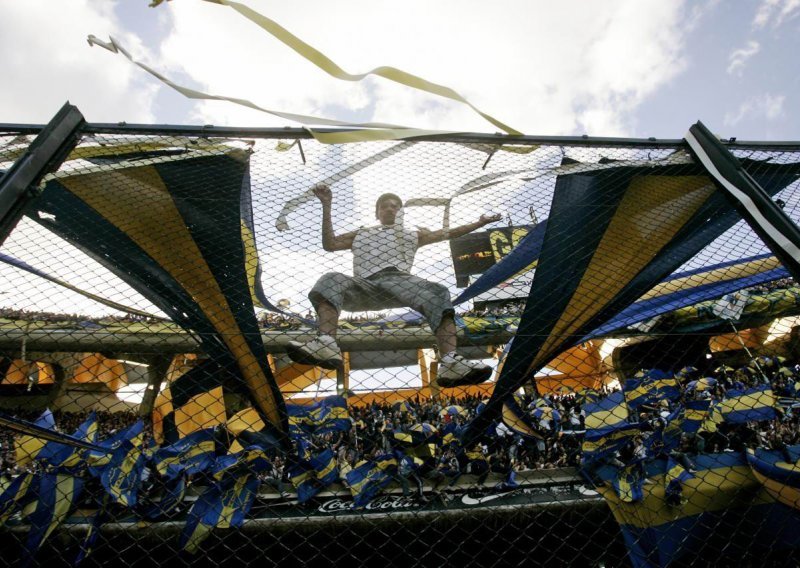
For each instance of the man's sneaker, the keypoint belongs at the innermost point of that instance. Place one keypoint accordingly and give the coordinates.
(321, 351)
(455, 371)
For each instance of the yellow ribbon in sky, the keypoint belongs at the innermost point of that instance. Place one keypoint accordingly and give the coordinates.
(361, 131)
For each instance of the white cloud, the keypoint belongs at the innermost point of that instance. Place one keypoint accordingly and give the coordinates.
(767, 106)
(573, 66)
(46, 61)
(739, 57)
(775, 12)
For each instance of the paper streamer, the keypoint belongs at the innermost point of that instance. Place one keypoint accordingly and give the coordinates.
(362, 132)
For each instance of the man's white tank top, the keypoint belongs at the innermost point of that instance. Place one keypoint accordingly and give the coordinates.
(383, 246)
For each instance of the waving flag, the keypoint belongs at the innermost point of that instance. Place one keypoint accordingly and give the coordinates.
(601, 442)
(612, 234)
(367, 479)
(222, 505)
(190, 455)
(165, 501)
(178, 243)
(57, 495)
(122, 476)
(674, 479)
(606, 412)
(628, 484)
(19, 492)
(648, 391)
(518, 420)
(751, 405)
(328, 415)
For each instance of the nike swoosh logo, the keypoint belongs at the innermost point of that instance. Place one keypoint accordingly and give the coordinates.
(467, 500)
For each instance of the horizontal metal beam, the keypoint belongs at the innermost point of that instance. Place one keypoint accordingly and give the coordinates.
(466, 137)
(177, 342)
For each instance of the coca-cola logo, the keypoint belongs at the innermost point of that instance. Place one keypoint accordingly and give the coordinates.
(383, 503)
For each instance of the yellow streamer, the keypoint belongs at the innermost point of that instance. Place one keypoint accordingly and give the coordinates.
(326, 64)
(364, 131)
(388, 132)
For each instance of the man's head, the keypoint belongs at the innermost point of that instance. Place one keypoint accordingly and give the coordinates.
(386, 208)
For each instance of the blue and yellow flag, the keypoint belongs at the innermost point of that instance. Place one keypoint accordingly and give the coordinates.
(87, 543)
(613, 233)
(122, 476)
(163, 502)
(98, 460)
(328, 415)
(309, 477)
(19, 492)
(518, 420)
(695, 413)
(181, 244)
(601, 442)
(325, 467)
(751, 405)
(57, 494)
(606, 412)
(674, 478)
(650, 390)
(27, 448)
(252, 459)
(56, 454)
(628, 484)
(451, 433)
(303, 478)
(190, 455)
(222, 505)
(368, 478)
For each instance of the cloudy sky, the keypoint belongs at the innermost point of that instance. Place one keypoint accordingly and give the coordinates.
(603, 68)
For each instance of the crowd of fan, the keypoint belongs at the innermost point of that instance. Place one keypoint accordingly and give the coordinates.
(52, 317)
(502, 450)
(512, 308)
(108, 424)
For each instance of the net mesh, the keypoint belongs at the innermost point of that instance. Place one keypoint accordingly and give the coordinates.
(232, 349)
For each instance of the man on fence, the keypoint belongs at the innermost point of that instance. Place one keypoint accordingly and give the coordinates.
(382, 260)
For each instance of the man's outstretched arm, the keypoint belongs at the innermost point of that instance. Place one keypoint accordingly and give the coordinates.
(330, 240)
(427, 237)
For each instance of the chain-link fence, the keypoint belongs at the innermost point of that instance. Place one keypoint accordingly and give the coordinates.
(235, 346)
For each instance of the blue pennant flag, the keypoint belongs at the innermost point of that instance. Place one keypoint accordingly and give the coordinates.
(57, 493)
(368, 478)
(252, 459)
(649, 390)
(325, 467)
(21, 491)
(163, 502)
(122, 477)
(302, 476)
(695, 414)
(606, 412)
(193, 454)
(602, 442)
(56, 454)
(518, 420)
(99, 459)
(41, 444)
(676, 475)
(451, 433)
(323, 417)
(628, 484)
(87, 544)
(121, 467)
(751, 405)
(311, 476)
(222, 505)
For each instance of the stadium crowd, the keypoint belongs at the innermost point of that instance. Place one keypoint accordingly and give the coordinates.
(376, 429)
